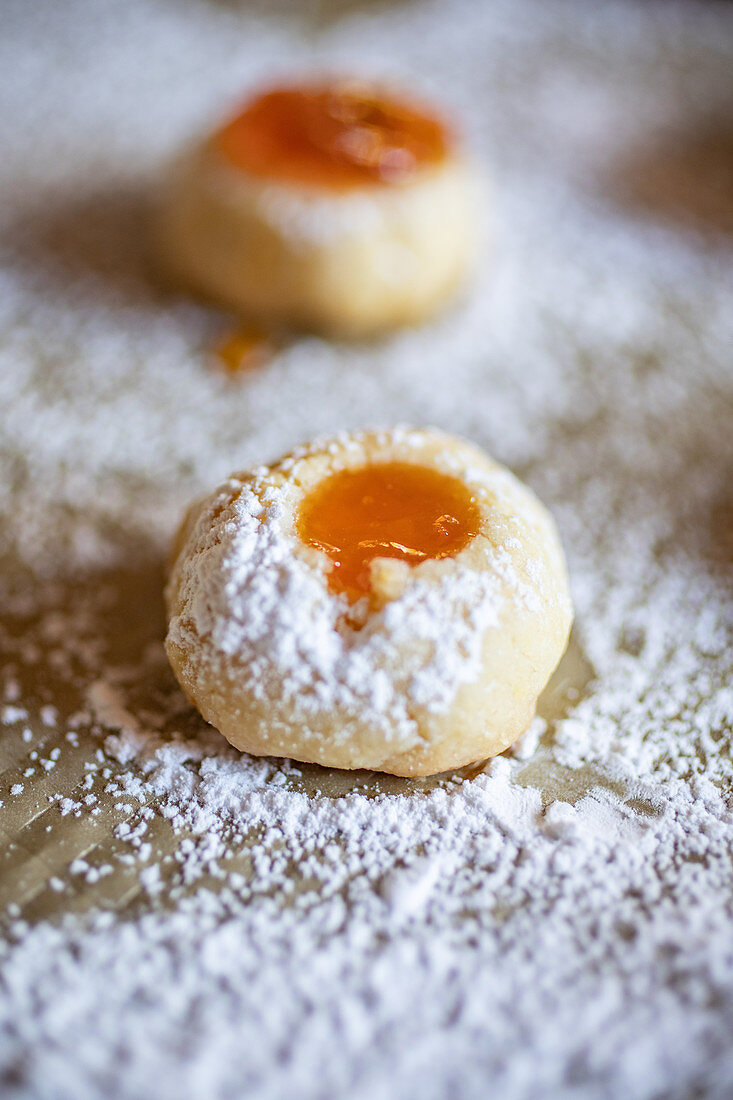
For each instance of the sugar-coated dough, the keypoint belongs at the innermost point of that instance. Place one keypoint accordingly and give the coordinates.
(349, 263)
(448, 664)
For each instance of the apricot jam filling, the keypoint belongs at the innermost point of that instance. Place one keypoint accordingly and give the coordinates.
(338, 136)
(390, 510)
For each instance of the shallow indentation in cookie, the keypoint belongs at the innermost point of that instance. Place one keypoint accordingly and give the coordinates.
(376, 522)
(337, 135)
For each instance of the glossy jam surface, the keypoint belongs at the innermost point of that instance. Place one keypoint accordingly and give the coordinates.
(391, 510)
(338, 136)
(243, 349)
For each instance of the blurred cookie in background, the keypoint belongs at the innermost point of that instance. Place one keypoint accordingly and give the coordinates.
(331, 206)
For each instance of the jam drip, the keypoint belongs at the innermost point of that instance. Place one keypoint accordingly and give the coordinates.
(243, 349)
(391, 510)
(338, 136)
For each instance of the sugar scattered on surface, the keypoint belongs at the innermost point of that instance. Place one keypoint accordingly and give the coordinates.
(558, 923)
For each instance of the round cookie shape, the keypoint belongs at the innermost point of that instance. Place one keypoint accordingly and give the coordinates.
(334, 207)
(433, 660)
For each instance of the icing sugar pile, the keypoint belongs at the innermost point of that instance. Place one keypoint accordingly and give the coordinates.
(559, 922)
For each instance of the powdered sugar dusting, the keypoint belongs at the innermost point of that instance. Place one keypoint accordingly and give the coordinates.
(557, 923)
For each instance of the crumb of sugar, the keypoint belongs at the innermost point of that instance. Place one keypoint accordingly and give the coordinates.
(561, 922)
(13, 714)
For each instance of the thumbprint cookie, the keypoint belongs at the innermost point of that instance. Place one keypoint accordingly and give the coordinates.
(388, 600)
(334, 206)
